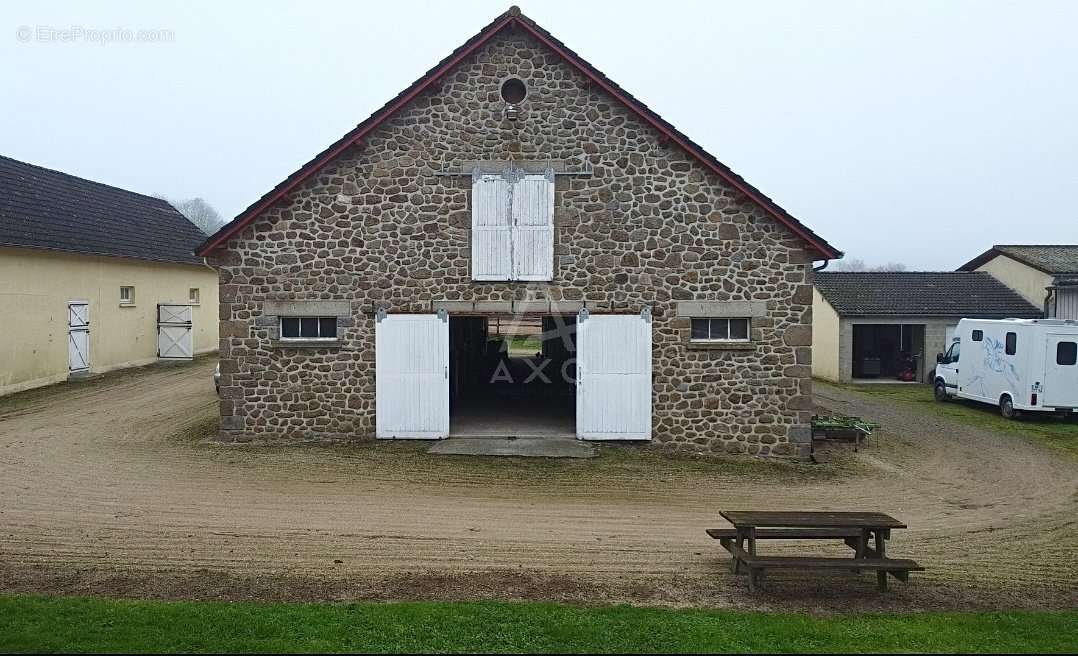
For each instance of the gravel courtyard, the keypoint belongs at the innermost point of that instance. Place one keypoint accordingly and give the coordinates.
(107, 488)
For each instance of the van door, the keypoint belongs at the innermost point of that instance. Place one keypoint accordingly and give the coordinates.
(948, 370)
(1061, 372)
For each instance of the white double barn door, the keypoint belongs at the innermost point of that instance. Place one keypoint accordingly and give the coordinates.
(613, 381)
(411, 372)
(613, 377)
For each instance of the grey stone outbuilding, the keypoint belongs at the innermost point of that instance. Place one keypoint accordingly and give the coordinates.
(516, 246)
(872, 325)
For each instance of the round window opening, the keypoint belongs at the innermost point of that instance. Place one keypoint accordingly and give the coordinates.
(514, 91)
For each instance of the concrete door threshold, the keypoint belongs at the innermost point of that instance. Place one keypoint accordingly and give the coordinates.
(521, 447)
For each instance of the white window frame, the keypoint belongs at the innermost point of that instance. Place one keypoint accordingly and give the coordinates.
(301, 338)
(721, 340)
(130, 300)
(194, 296)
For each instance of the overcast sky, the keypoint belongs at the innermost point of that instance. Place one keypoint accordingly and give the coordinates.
(917, 132)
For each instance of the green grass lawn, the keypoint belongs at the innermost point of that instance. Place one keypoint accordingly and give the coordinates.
(1060, 434)
(65, 624)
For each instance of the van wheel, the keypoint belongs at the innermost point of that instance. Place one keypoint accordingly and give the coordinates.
(1006, 408)
(940, 391)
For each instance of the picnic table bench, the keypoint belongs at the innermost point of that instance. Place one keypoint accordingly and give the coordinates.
(864, 532)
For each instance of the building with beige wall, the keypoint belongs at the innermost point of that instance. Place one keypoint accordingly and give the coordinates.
(84, 268)
(881, 325)
(1046, 275)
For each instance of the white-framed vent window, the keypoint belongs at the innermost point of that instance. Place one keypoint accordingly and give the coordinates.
(193, 296)
(308, 328)
(513, 225)
(720, 330)
(127, 295)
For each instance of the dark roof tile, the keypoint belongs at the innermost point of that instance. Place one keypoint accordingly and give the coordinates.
(1049, 258)
(47, 209)
(923, 294)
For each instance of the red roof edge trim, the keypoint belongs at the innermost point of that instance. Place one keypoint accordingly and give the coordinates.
(824, 249)
(514, 18)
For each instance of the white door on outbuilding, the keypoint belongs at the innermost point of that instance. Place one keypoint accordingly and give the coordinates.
(78, 336)
(175, 326)
(613, 391)
(412, 376)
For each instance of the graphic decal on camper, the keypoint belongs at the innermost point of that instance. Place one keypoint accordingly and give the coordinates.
(994, 361)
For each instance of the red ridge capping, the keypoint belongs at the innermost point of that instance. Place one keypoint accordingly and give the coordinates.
(513, 17)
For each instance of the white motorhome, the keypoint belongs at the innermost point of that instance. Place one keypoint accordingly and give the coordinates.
(1016, 364)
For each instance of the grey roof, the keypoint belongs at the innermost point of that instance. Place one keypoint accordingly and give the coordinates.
(923, 294)
(1049, 258)
(42, 208)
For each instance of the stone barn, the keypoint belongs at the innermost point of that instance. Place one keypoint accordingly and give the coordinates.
(516, 246)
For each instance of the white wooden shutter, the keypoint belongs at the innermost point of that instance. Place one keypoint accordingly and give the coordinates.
(492, 247)
(533, 227)
(412, 376)
(613, 377)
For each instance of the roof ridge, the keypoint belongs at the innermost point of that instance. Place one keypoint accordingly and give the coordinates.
(82, 179)
(46, 209)
(514, 17)
(1035, 246)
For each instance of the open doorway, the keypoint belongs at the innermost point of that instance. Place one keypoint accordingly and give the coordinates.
(512, 376)
(889, 352)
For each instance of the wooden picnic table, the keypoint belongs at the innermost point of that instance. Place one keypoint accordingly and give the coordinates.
(856, 529)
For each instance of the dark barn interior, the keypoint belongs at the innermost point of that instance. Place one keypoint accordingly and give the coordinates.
(512, 376)
(886, 350)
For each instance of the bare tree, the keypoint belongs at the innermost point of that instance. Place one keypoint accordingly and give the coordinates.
(857, 264)
(199, 212)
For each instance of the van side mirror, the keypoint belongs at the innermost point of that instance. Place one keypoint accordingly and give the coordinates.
(939, 358)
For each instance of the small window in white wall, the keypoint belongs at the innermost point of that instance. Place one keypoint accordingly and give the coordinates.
(306, 328)
(720, 330)
(193, 296)
(127, 295)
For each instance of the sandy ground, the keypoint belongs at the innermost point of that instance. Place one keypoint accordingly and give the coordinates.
(106, 488)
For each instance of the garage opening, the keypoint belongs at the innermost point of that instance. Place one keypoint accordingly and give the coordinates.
(888, 352)
(512, 376)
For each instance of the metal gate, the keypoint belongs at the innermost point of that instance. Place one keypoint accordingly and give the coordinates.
(174, 332)
(78, 336)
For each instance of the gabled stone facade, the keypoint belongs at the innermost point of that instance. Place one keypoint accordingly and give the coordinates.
(647, 226)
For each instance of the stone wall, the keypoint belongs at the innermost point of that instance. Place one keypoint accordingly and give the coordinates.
(649, 227)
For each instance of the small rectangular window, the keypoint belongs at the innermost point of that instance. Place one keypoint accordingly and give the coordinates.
(308, 327)
(978, 335)
(193, 295)
(1012, 343)
(1066, 353)
(720, 330)
(127, 295)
